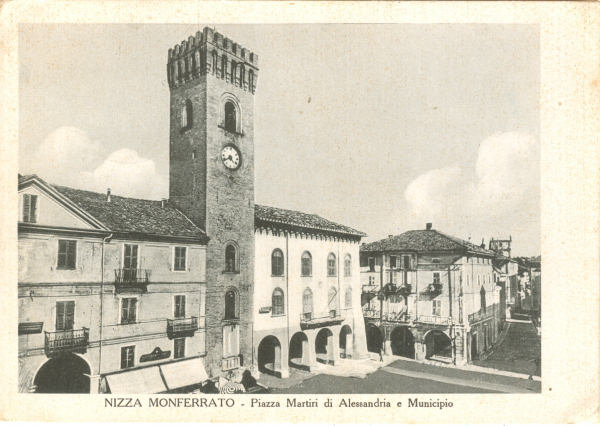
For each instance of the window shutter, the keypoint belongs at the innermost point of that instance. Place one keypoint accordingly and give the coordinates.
(60, 315)
(71, 253)
(69, 315)
(26, 207)
(33, 209)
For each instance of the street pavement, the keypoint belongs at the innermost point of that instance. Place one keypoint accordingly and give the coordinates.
(519, 352)
(404, 376)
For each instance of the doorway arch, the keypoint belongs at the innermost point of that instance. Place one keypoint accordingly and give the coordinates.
(66, 373)
(346, 342)
(269, 356)
(374, 338)
(437, 343)
(298, 356)
(324, 346)
(402, 342)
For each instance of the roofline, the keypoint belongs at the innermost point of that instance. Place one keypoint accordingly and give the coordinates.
(282, 224)
(201, 240)
(63, 199)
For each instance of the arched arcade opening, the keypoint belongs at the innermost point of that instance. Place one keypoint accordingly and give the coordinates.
(324, 346)
(269, 356)
(299, 356)
(66, 373)
(346, 342)
(374, 338)
(402, 342)
(438, 344)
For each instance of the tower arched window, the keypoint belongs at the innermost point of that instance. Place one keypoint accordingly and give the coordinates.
(231, 304)
(306, 264)
(348, 297)
(187, 115)
(242, 75)
(347, 265)
(331, 265)
(214, 62)
(277, 263)
(307, 304)
(251, 81)
(231, 258)
(233, 73)
(277, 302)
(230, 117)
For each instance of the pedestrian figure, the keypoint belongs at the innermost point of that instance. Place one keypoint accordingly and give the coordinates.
(381, 353)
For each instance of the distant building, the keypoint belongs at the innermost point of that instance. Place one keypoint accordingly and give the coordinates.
(428, 295)
(507, 272)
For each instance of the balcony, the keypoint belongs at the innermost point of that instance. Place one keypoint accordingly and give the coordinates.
(131, 280)
(434, 319)
(308, 321)
(392, 317)
(433, 288)
(182, 327)
(370, 289)
(231, 363)
(57, 342)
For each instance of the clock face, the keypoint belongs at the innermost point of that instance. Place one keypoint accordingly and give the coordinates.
(231, 157)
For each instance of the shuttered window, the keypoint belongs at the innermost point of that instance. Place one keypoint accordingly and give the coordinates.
(179, 348)
(29, 208)
(180, 258)
(65, 315)
(128, 310)
(127, 356)
(67, 254)
(179, 306)
(277, 302)
(131, 256)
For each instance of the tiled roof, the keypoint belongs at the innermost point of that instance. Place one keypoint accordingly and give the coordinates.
(296, 219)
(124, 214)
(424, 241)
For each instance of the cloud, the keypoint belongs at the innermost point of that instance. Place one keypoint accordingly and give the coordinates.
(67, 156)
(498, 194)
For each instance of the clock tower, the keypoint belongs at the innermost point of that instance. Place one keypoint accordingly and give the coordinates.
(212, 81)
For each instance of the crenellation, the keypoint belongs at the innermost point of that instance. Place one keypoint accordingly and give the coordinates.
(226, 59)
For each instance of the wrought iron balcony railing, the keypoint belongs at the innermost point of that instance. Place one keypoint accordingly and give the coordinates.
(231, 363)
(131, 279)
(434, 319)
(307, 320)
(182, 327)
(397, 317)
(56, 342)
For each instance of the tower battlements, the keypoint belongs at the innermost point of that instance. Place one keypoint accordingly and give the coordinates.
(209, 52)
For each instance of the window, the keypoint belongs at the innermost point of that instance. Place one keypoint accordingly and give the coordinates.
(406, 262)
(223, 66)
(242, 75)
(436, 309)
(127, 356)
(371, 280)
(130, 256)
(347, 265)
(392, 261)
(307, 304)
(67, 254)
(186, 115)
(306, 264)
(436, 277)
(179, 347)
(230, 117)
(331, 266)
(128, 310)
(214, 62)
(435, 260)
(277, 263)
(348, 298)
(29, 208)
(482, 298)
(231, 261)
(371, 264)
(179, 306)
(251, 80)
(231, 304)
(277, 302)
(332, 301)
(65, 315)
(180, 258)
(233, 72)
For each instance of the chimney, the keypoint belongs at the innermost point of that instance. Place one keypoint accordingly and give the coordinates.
(482, 243)
(163, 202)
(428, 226)
(108, 195)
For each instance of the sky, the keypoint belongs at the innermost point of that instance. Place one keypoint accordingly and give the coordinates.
(379, 127)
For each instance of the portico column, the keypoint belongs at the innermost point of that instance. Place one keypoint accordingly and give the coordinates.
(333, 350)
(349, 345)
(94, 384)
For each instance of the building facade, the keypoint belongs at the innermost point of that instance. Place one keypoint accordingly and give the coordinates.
(306, 292)
(427, 295)
(111, 293)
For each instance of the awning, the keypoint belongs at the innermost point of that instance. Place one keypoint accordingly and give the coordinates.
(184, 373)
(144, 380)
